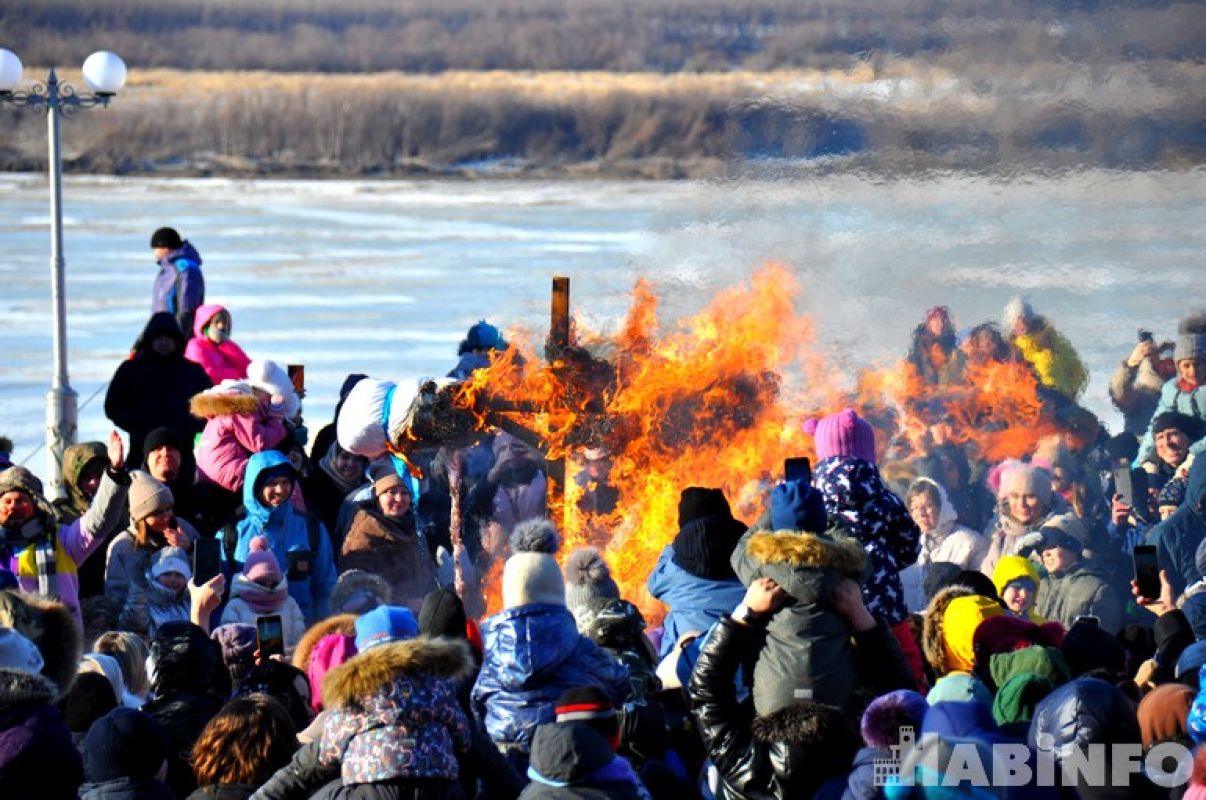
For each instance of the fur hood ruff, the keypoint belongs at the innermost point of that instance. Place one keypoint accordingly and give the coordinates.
(807, 550)
(52, 628)
(933, 641)
(368, 673)
(340, 623)
(227, 399)
(19, 686)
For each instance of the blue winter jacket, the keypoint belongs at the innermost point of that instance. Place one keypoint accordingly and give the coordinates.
(1177, 538)
(287, 532)
(179, 286)
(695, 603)
(533, 654)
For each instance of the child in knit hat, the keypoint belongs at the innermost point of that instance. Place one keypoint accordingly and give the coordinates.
(161, 595)
(153, 525)
(1017, 582)
(856, 495)
(262, 590)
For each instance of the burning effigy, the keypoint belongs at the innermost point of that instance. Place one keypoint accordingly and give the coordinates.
(718, 399)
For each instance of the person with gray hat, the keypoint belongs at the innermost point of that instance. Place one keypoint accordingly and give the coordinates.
(1073, 586)
(1185, 392)
(179, 286)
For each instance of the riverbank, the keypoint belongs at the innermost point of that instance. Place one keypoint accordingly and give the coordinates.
(896, 117)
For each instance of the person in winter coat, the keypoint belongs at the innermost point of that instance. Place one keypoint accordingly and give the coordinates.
(241, 747)
(161, 595)
(44, 556)
(179, 287)
(262, 590)
(189, 684)
(693, 576)
(935, 353)
(339, 474)
(1017, 582)
(948, 633)
(856, 496)
(574, 757)
(794, 751)
(516, 487)
(394, 720)
(1177, 538)
(212, 348)
(1073, 586)
(532, 649)
(880, 728)
(153, 526)
(241, 420)
(125, 759)
(1045, 349)
(1185, 393)
(384, 540)
(296, 539)
(164, 460)
(943, 539)
(38, 756)
(807, 652)
(1026, 502)
(1136, 384)
(83, 466)
(153, 387)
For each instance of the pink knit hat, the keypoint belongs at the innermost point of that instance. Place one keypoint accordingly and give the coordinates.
(261, 562)
(331, 651)
(842, 434)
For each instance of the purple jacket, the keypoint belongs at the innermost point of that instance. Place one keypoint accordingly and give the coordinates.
(179, 287)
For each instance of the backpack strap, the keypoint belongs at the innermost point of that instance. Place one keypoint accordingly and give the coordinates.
(313, 530)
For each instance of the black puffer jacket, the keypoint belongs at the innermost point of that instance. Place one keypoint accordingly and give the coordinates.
(190, 684)
(788, 754)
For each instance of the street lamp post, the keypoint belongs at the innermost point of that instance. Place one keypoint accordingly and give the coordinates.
(104, 74)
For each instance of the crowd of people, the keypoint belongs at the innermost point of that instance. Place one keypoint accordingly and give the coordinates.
(436, 642)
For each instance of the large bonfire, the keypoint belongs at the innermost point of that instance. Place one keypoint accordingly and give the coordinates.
(718, 400)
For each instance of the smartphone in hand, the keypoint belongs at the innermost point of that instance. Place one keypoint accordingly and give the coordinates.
(206, 560)
(271, 636)
(1147, 571)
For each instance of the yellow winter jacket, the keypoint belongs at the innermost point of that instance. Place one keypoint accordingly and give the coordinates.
(1054, 359)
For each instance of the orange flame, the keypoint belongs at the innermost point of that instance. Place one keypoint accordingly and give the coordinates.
(717, 401)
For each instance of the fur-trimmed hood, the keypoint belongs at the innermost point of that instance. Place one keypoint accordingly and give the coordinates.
(367, 673)
(19, 686)
(933, 642)
(801, 723)
(354, 582)
(52, 628)
(226, 399)
(808, 551)
(340, 623)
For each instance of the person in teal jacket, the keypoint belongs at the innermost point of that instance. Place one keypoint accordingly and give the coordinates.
(296, 538)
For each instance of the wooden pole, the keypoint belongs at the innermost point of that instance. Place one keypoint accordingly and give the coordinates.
(559, 339)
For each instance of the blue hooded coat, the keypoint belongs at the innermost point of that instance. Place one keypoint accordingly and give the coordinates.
(534, 653)
(695, 603)
(287, 532)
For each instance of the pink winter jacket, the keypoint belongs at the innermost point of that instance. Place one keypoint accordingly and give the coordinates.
(221, 362)
(238, 426)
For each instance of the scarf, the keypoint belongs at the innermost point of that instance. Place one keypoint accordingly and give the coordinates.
(35, 533)
(327, 465)
(260, 600)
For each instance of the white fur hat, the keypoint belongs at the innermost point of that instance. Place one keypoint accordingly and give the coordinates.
(270, 377)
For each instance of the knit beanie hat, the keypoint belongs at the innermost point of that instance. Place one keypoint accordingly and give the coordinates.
(1175, 420)
(588, 578)
(796, 506)
(697, 502)
(1026, 479)
(89, 698)
(1046, 662)
(1163, 713)
(963, 615)
(384, 476)
(1191, 338)
(1016, 700)
(959, 688)
(442, 614)
(531, 574)
(329, 652)
(17, 652)
(842, 434)
(1006, 633)
(170, 559)
(147, 495)
(704, 547)
(166, 237)
(1014, 568)
(261, 561)
(385, 624)
(1087, 647)
(161, 437)
(238, 641)
(1172, 494)
(588, 705)
(888, 713)
(1064, 530)
(125, 743)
